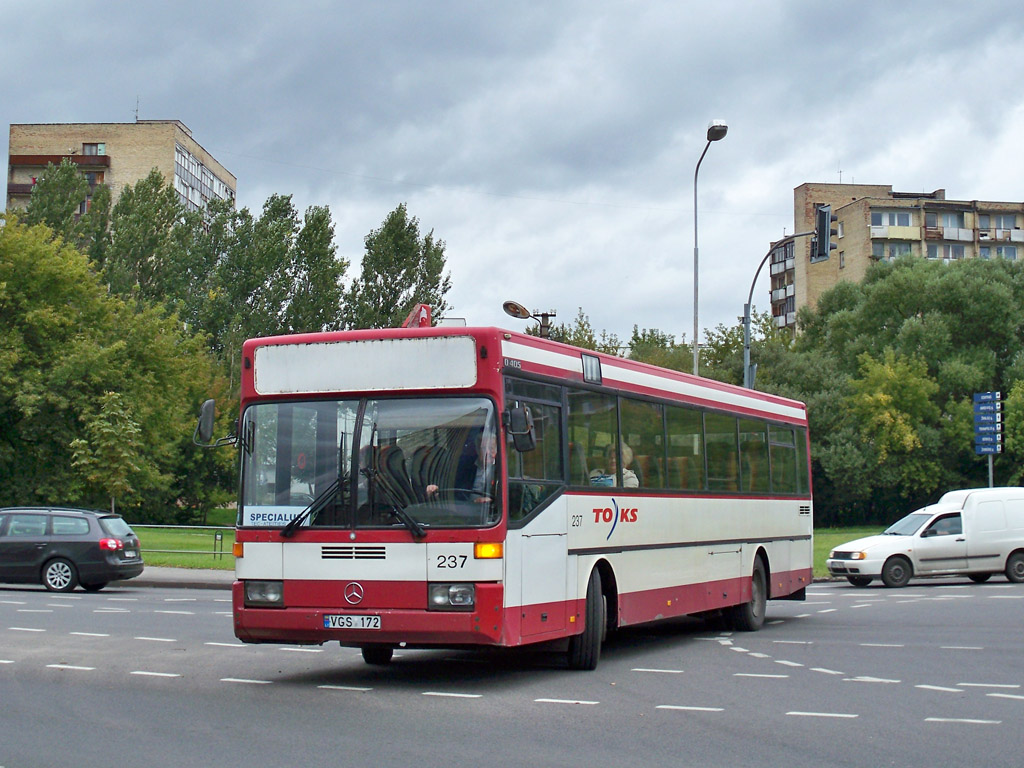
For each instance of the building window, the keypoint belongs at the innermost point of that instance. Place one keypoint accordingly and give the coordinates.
(953, 220)
(1008, 252)
(1006, 221)
(94, 149)
(890, 218)
(839, 229)
(983, 221)
(945, 251)
(842, 259)
(984, 252)
(882, 250)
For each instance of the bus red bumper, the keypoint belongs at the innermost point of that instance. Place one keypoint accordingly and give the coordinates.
(414, 627)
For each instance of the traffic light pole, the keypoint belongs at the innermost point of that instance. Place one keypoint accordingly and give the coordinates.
(748, 373)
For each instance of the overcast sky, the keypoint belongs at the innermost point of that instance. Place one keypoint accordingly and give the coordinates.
(552, 145)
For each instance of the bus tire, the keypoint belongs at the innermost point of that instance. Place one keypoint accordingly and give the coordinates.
(749, 617)
(585, 648)
(378, 655)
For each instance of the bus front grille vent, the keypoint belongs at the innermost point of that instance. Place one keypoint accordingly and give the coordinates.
(348, 552)
(805, 509)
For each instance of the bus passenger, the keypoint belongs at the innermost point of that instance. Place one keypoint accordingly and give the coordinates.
(607, 476)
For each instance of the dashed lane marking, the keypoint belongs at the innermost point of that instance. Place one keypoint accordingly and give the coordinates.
(659, 671)
(89, 634)
(157, 639)
(752, 674)
(245, 681)
(566, 701)
(843, 715)
(938, 688)
(352, 688)
(882, 645)
(825, 671)
(25, 629)
(302, 650)
(449, 695)
(1005, 696)
(178, 613)
(864, 679)
(145, 673)
(961, 648)
(966, 720)
(70, 667)
(227, 645)
(988, 685)
(689, 709)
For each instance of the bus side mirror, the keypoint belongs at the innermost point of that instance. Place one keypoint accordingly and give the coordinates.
(519, 424)
(204, 429)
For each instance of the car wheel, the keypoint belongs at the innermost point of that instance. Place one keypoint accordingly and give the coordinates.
(585, 648)
(979, 578)
(1015, 567)
(897, 572)
(378, 655)
(94, 587)
(59, 575)
(749, 617)
(859, 581)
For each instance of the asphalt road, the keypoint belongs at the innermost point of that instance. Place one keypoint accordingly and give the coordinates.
(930, 675)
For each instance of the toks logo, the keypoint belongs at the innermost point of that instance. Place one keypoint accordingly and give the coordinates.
(614, 516)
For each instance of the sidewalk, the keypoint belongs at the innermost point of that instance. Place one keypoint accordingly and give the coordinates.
(184, 578)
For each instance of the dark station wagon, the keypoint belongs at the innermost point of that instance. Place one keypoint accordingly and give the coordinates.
(62, 548)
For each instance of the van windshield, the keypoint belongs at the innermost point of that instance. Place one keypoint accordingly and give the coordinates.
(909, 525)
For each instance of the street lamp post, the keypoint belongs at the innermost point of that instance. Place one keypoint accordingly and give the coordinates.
(716, 131)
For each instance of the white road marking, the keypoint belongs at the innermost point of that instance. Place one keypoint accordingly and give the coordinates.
(989, 685)
(864, 679)
(154, 674)
(961, 720)
(25, 629)
(662, 671)
(222, 613)
(794, 642)
(12, 602)
(822, 714)
(123, 599)
(89, 634)
(1005, 696)
(158, 639)
(776, 621)
(445, 694)
(938, 688)
(111, 610)
(245, 681)
(1005, 597)
(6, 661)
(760, 656)
(802, 616)
(59, 605)
(788, 663)
(738, 649)
(70, 666)
(881, 645)
(35, 610)
(565, 701)
(180, 599)
(751, 674)
(227, 645)
(861, 605)
(302, 650)
(689, 709)
(961, 648)
(178, 613)
(829, 610)
(826, 671)
(344, 688)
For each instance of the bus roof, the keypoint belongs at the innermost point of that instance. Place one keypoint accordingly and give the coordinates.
(503, 352)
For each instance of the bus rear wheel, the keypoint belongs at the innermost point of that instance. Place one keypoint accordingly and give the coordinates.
(378, 655)
(749, 617)
(585, 648)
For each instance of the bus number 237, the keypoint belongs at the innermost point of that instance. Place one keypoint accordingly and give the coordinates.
(451, 561)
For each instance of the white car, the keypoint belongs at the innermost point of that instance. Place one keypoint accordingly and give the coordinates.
(977, 532)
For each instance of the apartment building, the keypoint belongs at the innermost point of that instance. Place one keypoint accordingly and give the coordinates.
(874, 223)
(117, 154)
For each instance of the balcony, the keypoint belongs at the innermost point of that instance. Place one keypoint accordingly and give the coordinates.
(40, 161)
(885, 232)
(19, 189)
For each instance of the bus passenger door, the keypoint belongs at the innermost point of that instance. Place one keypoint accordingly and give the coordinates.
(543, 569)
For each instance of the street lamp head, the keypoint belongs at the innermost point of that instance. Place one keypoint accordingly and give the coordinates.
(515, 309)
(717, 130)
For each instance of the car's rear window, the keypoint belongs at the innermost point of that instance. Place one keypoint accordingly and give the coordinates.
(69, 526)
(114, 525)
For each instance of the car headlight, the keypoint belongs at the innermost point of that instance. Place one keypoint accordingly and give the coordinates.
(264, 594)
(451, 597)
(858, 555)
(832, 554)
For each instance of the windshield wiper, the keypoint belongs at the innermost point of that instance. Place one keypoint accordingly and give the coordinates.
(396, 507)
(314, 506)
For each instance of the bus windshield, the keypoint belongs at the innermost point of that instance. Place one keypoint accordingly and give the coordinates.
(370, 463)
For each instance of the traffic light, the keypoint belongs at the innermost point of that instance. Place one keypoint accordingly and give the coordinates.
(822, 233)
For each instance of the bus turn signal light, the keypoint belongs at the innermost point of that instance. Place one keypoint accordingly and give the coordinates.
(237, 549)
(487, 550)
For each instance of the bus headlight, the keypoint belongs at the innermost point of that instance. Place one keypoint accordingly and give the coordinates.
(451, 597)
(264, 594)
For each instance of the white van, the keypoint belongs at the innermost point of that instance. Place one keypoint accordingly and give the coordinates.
(976, 531)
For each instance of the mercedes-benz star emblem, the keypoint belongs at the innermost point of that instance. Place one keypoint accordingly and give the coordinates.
(353, 593)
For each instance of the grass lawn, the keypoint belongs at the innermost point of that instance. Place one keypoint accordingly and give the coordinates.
(827, 539)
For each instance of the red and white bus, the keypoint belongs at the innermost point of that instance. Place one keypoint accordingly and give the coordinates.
(468, 487)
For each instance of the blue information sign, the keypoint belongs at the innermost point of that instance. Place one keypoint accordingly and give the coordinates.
(988, 424)
(982, 450)
(987, 397)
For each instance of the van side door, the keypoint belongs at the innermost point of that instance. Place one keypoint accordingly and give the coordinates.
(942, 545)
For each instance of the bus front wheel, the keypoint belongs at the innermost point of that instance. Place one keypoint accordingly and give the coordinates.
(585, 648)
(378, 655)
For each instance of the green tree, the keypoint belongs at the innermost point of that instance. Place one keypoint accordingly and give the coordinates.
(56, 199)
(108, 453)
(400, 269)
